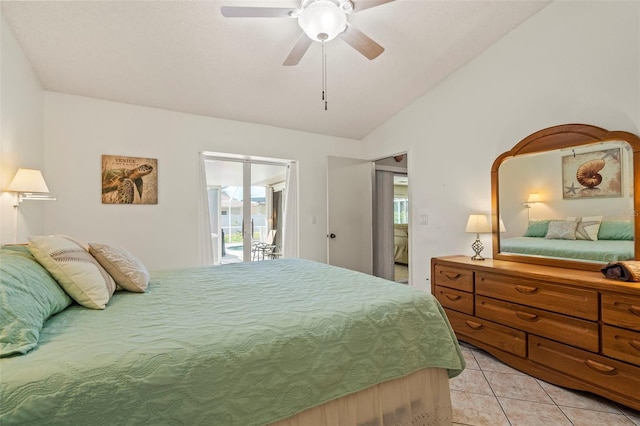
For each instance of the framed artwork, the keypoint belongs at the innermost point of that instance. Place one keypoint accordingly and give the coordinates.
(129, 180)
(592, 174)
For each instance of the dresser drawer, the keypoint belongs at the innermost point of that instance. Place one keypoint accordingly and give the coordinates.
(461, 279)
(499, 336)
(623, 311)
(573, 331)
(551, 297)
(615, 376)
(621, 344)
(455, 299)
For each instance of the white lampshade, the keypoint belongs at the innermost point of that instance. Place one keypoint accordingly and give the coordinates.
(323, 20)
(502, 227)
(534, 197)
(28, 180)
(478, 223)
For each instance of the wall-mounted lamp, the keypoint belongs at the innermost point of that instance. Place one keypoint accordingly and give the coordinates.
(534, 198)
(478, 224)
(30, 185)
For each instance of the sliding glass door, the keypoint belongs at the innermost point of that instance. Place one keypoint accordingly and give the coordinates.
(246, 204)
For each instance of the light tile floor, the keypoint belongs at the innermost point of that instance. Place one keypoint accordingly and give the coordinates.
(491, 393)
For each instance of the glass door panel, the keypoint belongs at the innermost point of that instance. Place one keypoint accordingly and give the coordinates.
(232, 209)
(267, 185)
(246, 204)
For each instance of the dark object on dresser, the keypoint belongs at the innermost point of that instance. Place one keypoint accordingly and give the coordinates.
(623, 270)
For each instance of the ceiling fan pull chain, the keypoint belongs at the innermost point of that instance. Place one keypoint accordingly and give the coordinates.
(322, 69)
(324, 78)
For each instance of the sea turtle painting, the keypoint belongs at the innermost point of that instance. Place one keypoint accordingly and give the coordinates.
(119, 185)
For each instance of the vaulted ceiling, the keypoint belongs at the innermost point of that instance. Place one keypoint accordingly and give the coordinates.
(185, 56)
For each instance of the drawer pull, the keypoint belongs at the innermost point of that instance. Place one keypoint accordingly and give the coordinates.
(451, 275)
(635, 344)
(600, 368)
(526, 289)
(634, 310)
(526, 316)
(452, 297)
(474, 325)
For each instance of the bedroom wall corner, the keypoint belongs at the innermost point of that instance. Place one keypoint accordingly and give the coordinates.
(21, 136)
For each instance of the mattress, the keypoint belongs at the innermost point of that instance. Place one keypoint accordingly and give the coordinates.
(598, 251)
(238, 344)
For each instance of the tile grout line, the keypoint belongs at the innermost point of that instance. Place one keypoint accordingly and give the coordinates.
(619, 408)
(555, 403)
(491, 387)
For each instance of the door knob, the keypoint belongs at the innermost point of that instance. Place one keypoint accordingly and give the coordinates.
(332, 235)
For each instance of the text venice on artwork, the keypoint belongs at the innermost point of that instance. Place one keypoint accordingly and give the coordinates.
(592, 174)
(129, 180)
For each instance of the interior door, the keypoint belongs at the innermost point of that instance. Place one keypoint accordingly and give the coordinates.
(349, 216)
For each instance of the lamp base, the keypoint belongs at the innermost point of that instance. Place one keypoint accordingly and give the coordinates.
(477, 246)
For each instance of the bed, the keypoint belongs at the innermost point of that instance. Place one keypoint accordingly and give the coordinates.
(401, 243)
(598, 251)
(586, 238)
(289, 342)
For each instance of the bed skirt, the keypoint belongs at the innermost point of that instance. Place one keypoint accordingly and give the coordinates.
(421, 398)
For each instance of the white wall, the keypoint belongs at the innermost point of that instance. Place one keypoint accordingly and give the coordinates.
(573, 62)
(79, 130)
(21, 137)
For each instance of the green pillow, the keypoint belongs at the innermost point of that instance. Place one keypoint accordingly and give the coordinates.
(28, 296)
(616, 230)
(537, 228)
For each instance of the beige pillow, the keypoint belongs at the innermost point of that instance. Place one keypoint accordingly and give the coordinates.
(588, 227)
(562, 230)
(127, 271)
(77, 272)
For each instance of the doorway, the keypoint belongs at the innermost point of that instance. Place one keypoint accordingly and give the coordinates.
(401, 227)
(391, 219)
(246, 205)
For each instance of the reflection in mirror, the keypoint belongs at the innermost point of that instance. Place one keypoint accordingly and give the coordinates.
(574, 203)
(570, 189)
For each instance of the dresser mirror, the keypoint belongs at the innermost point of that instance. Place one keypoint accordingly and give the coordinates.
(564, 196)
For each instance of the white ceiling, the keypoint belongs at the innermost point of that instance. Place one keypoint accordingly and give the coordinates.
(184, 56)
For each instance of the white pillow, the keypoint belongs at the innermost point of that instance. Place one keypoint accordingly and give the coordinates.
(77, 272)
(127, 271)
(562, 230)
(588, 227)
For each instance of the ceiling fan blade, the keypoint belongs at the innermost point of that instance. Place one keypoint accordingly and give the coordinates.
(258, 12)
(361, 42)
(359, 5)
(298, 51)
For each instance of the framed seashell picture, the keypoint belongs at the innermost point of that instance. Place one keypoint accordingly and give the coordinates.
(592, 174)
(129, 180)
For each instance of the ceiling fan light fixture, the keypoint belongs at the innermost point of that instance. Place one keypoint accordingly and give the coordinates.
(322, 20)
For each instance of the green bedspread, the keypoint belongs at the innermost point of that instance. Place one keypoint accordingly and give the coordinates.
(238, 344)
(598, 251)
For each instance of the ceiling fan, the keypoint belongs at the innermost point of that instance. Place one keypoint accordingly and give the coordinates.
(321, 21)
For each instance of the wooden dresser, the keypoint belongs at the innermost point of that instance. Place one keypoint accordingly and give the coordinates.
(568, 327)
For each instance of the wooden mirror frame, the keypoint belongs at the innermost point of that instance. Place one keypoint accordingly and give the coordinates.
(554, 138)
